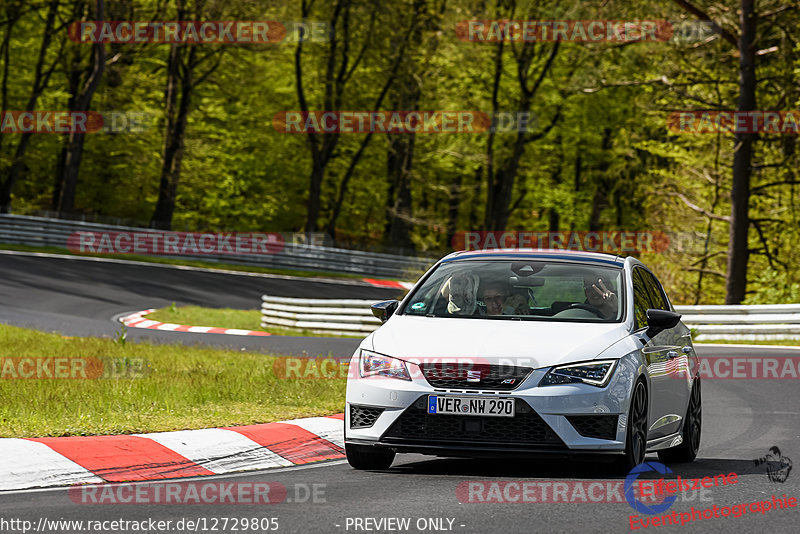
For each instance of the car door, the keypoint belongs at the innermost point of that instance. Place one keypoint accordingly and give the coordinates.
(652, 354)
(668, 364)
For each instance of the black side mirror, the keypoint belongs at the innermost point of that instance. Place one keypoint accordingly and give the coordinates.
(658, 320)
(384, 310)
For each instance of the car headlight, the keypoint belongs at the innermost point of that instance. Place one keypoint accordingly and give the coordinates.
(595, 373)
(374, 364)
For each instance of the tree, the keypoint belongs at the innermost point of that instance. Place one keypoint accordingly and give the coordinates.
(83, 82)
(183, 62)
(41, 78)
(533, 63)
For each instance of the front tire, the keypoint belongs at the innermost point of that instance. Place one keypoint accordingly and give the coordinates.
(636, 430)
(686, 452)
(365, 457)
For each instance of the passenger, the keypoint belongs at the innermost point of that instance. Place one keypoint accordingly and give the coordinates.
(462, 290)
(499, 301)
(599, 296)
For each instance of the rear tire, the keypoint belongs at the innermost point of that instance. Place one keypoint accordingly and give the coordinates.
(365, 457)
(636, 431)
(686, 452)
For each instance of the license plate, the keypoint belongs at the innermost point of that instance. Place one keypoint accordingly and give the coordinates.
(438, 404)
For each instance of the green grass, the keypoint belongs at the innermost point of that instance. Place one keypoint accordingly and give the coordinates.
(200, 316)
(183, 388)
(187, 262)
(782, 342)
(226, 318)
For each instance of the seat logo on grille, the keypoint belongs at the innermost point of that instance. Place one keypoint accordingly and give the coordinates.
(473, 376)
(509, 381)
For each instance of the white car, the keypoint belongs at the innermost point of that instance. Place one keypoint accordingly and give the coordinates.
(526, 352)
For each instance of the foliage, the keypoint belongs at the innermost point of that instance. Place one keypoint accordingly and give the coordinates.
(608, 163)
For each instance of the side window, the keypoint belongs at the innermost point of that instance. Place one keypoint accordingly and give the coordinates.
(641, 300)
(655, 291)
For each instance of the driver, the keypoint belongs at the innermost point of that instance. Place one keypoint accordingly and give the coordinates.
(599, 296)
(499, 301)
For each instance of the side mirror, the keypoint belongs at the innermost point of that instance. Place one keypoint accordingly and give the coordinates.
(384, 310)
(658, 320)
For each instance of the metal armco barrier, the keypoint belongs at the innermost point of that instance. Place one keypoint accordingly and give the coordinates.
(330, 316)
(353, 317)
(740, 322)
(46, 232)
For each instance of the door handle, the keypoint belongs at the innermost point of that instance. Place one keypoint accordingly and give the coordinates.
(672, 354)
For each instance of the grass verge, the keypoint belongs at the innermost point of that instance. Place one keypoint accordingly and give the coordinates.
(226, 318)
(183, 388)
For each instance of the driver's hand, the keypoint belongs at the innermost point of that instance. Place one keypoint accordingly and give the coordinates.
(609, 297)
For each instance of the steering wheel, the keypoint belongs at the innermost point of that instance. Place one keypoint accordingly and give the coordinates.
(587, 307)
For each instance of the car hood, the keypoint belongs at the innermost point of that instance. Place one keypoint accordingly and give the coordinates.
(530, 343)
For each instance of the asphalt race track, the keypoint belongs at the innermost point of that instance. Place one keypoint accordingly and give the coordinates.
(742, 419)
(79, 297)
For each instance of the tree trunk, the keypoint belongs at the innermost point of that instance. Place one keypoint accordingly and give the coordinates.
(67, 183)
(738, 251)
(502, 175)
(177, 113)
(600, 199)
(454, 202)
(40, 80)
(399, 163)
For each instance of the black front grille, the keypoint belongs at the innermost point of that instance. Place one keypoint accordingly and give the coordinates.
(363, 416)
(478, 376)
(526, 428)
(595, 426)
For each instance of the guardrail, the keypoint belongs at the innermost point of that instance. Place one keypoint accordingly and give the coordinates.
(353, 317)
(326, 316)
(46, 232)
(740, 322)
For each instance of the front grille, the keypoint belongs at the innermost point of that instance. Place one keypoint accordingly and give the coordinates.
(363, 416)
(595, 426)
(463, 375)
(525, 428)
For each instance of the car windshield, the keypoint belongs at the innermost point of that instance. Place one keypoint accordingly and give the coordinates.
(520, 290)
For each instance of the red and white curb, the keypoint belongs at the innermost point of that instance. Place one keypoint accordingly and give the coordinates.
(42, 462)
(138, 320)
(388, 283)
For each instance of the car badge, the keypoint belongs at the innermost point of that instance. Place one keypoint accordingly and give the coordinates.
(509, 381)
(473, 376)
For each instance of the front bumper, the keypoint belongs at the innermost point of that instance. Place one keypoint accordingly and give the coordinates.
(549, 420)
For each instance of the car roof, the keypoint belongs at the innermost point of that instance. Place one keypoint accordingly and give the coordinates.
(578, 256)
